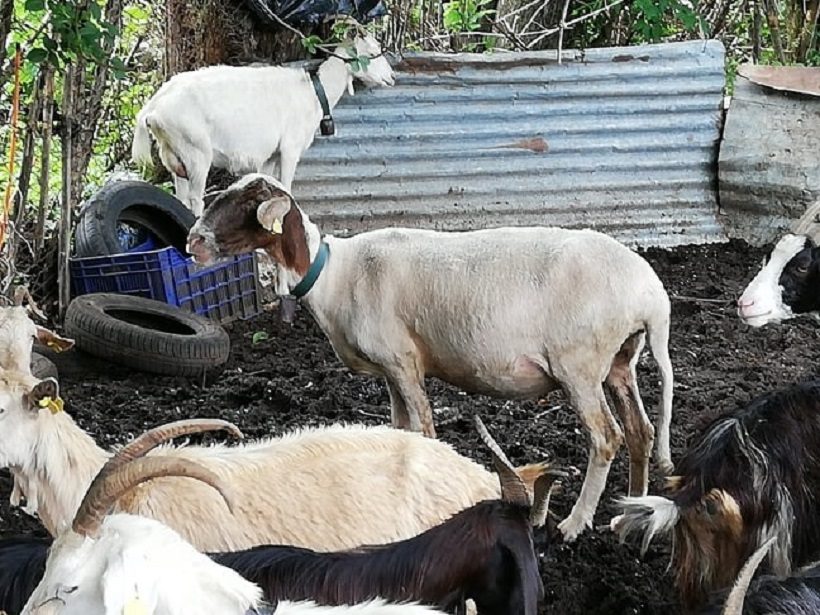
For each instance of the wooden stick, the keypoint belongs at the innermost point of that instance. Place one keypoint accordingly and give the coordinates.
(45, 159)
(63, 279)
(563, 26)
(15, 114)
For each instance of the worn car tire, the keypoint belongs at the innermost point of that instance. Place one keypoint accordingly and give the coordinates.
(147, 335)
(135, 202)
(43, 367)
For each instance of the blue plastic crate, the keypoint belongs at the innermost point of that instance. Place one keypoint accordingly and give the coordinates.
(224, 291)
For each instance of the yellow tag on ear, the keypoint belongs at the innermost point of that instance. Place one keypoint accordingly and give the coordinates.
(135, 606)
(277, 227)
(54, 346)
(53, 404)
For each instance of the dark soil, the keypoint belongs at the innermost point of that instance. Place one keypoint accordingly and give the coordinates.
(294, 379)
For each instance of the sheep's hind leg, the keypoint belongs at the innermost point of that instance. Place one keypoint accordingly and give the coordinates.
(409, 404)
(623, 385)
(398, 409)
(605, 438)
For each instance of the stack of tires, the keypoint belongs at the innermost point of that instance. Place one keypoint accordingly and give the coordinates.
(134, 331)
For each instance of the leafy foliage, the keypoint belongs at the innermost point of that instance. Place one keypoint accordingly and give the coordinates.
(466, 15)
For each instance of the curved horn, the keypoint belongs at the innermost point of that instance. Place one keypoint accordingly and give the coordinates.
(734, 603)
(109, 486)
(513, 489)
(808, 224)
(163, 433)
(545, 486)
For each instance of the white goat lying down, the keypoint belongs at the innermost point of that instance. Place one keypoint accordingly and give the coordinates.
(125, 564)
(327, 488)
(513, 312)
(245, 118)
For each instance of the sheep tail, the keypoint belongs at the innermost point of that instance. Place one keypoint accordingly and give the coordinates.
(141, 145)
(649, 514)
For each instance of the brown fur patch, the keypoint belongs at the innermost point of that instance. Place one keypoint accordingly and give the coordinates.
(709, 546)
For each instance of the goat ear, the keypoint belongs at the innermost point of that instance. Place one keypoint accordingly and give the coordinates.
(44, 394)
(52, 340)
(272, 212)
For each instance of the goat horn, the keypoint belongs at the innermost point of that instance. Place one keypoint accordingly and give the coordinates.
(513, 489)
(163, 433)
(545, 486)
(807, 224)
(734, 603)
(109, 486)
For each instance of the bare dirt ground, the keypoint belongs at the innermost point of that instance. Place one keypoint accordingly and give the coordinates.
(294, 379)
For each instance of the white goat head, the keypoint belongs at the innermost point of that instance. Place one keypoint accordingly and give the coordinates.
(374, 70)
(24, 402)
(128, 564)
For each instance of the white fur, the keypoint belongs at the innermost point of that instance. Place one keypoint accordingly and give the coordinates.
(326, 488)
(649, 515)
(762, 300)
(139, 558)
(244, 118)
(514, 312)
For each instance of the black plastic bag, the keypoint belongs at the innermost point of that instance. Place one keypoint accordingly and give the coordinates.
(312, 12)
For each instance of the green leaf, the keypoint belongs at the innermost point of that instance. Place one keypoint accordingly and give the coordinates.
(259, 336)
(35, 5)
(37, 55)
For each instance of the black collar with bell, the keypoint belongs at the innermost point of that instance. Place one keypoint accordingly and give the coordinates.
(326, 126)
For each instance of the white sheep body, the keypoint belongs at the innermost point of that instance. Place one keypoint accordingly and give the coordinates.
(513, 312)
(244, 118)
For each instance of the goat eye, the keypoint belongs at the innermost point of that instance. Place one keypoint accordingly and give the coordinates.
(802, 269)
(711, 507)
(2, 410)
(70, 590)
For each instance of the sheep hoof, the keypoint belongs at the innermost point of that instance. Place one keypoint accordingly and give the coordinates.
(572, 526)
(666, 466)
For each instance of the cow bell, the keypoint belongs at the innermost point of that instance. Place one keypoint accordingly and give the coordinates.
(327, 127)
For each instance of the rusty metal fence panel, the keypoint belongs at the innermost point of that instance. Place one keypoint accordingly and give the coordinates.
(623, 140)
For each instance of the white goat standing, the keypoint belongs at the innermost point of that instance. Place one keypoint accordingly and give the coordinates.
(326, 489)
(127, 564)
(245, 118)
(514, 312)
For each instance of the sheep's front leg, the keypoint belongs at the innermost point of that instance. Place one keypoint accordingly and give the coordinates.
(288, 159)
(605, 439)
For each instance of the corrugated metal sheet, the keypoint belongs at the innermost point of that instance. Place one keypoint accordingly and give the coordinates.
(623, 140)
(768, 160)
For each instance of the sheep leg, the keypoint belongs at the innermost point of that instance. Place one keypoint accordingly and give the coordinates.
(415, 405)
(398, 409)
(287, 167)
(197, 178)
(623, 384)
(605, 439)
(181, 189)
(659, 343)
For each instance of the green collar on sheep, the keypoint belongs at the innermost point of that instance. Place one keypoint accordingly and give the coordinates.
(303, 287)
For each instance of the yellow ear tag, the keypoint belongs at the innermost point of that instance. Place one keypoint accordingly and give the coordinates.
(135, 606)
(54, 346)
(52, 403)
(277, 228)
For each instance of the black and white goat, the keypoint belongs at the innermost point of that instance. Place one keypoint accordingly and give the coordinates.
(484, 553)
(788, 284)
(751, 475)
